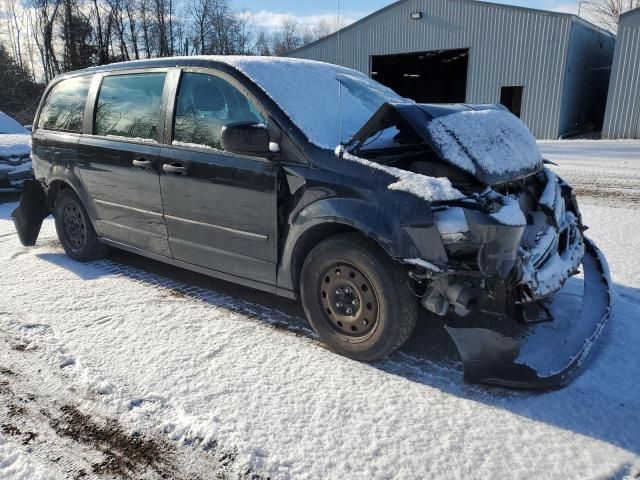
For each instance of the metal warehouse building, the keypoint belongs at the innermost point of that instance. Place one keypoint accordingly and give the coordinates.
(551, 69)
(622, 119)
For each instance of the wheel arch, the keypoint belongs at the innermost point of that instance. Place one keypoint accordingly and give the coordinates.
(312, 236)
(57, 184)
(392, 225)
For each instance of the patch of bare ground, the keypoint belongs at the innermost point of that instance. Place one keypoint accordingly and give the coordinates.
(44, 412)
(125, 455)
(609, 195)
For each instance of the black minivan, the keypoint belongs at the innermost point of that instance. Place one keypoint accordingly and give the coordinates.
(311, 181)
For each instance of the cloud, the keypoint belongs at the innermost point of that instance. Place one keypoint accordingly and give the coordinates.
(270, 21)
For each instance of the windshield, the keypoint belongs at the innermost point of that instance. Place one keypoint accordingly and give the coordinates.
(328, 103)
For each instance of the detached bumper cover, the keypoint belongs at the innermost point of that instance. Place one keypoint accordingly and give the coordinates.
(548, 356)
(31, 211)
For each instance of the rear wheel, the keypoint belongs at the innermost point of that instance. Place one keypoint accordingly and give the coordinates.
(357, 298)
(75, 231)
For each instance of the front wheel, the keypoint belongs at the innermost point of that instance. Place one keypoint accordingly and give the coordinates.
(356, 298)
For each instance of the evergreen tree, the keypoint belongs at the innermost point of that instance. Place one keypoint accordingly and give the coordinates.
(18, 92)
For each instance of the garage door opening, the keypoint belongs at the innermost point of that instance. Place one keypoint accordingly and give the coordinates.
(438, 76)
(511, 97)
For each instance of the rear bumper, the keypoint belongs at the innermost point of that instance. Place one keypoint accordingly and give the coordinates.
(559, 348)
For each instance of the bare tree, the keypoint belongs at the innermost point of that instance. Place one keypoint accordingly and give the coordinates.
(161, 13)
(102, 49)
(244, 32)
(133, 27)
(14, 27)
(54, 36)
(199, 11)
(263, 44)
(607, 12)
(47, 11)
(143, 7)
(287, 37)
(224, 26)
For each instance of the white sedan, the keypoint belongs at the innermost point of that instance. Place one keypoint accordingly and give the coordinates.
(15, 154)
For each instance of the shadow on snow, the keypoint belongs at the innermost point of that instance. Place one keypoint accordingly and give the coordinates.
(601, 403)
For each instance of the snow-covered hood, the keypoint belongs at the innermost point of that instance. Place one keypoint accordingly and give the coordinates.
(14, 147)
(486, 141)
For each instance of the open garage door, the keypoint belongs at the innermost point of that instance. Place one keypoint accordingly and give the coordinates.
(438, 76)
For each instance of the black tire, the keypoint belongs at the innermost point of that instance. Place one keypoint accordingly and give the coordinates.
(348, 268)
(75, 231)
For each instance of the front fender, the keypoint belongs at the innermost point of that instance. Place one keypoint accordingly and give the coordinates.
(388, 223)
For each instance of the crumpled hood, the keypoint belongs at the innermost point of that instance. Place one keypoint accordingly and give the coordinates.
(486, 141)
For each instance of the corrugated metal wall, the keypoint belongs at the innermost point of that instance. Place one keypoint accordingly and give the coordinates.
(622, 119)
(508, 46)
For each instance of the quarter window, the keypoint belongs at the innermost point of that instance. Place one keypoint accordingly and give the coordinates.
(64, 107)
(129, 106)
(207, 103)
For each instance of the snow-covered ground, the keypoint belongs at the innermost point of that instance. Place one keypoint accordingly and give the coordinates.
(109, 369)
(604, 172)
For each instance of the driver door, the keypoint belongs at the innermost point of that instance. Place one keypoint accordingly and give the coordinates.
(220, 208)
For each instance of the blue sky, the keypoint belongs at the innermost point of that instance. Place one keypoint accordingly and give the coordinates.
(270, 12)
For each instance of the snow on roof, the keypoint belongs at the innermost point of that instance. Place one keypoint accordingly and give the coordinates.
(9, 125)
(327, 102)
(492, 141)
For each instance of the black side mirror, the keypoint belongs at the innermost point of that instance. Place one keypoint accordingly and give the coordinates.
(246, 138)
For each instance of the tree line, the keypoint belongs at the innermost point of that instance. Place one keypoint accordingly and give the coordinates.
(19, 93)
(49, 37)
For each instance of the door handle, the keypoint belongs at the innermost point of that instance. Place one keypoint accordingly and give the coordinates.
(174, 168)
(142, 163)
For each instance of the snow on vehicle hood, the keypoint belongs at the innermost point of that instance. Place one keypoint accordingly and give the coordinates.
(15, 145)
(486, 141)
(9, 125)
(493, 142)
(327, 102)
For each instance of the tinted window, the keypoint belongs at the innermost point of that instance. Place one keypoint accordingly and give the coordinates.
(64, 108)
(129, 105)
(206, 104)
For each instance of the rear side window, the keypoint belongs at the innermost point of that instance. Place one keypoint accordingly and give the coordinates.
(207, 103)
(129, 106)
(64, 107)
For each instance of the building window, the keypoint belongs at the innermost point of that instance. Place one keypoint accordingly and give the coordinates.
(511, 97)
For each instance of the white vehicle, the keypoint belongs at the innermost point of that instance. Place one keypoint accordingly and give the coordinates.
(15, 154)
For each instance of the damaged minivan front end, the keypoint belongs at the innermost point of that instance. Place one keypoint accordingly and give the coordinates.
(512, 240)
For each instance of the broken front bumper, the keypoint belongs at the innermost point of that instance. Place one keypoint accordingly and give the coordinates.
(548, 355)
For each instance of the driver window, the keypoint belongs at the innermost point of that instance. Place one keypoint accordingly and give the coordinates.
(205, 104)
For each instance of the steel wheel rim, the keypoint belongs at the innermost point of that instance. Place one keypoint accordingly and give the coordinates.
(348, 300)
(75, 228)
